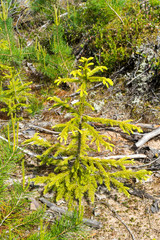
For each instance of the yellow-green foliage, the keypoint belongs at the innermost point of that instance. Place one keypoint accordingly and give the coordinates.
(14, 99)
(77, 173)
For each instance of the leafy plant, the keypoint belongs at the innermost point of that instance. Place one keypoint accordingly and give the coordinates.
(154, 2)
(118, 41)
(112, 30)
(46, 57)
(76, 173)
(51, 55)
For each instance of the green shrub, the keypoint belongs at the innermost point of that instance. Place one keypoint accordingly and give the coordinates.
(113, 32)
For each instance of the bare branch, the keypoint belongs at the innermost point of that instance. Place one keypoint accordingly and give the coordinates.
(52, 206)
(147, 137)
(134, 156)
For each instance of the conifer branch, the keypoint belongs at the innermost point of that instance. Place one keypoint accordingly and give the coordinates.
(79, 141)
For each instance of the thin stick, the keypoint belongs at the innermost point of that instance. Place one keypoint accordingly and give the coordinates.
(53, 207)
(138, 76)
(146, 125)
(115, 13)
(134, 156)
(142, 166)
(119, 218)
(41, 129)
(23, 150)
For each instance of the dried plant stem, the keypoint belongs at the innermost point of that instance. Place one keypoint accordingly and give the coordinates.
(115, 13)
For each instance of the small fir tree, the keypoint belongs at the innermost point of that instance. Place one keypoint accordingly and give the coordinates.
(76, 173)
(14, 98)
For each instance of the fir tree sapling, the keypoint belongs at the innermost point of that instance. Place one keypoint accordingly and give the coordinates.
(15, 99)
(76, 172)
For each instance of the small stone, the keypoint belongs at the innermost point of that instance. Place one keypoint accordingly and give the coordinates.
(21, 125)
(101, 196)
(29, 132)
(68, 115)
(49, 195)
(96, 212)
(155, 207)
(34, 205)
(74, 101)
(60, 202)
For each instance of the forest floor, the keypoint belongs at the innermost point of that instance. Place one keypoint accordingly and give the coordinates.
(135, 95)
(137, 217)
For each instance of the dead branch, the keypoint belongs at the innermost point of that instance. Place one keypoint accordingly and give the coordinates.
(118, 217)
(132, 156)
(44, 26)
(41, 129)
(138, 76)
(23, 150)
(147, 137)
(141, 194)
(32, 154)
(145, 165)
(146, 125)
(52, 206)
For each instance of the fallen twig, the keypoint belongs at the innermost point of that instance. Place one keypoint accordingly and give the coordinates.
(147, 137)
(41, 129)
(134, 156)
(138, 76)
(23, 150)
(147, 125)
(118, 217)
(115, 13)
(142, 166)
(52, 206)
(141, 194)
(32, 154)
